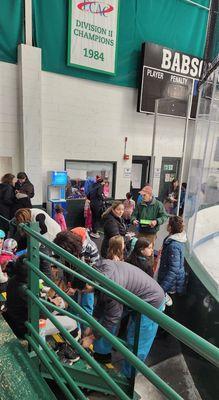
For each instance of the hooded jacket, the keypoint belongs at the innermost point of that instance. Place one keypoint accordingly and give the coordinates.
(108, 310)
(154, 210)
(171, 275)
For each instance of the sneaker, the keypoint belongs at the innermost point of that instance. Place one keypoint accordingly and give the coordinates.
(103, 358)
(168, 300)
(66, 352)
(95, 235)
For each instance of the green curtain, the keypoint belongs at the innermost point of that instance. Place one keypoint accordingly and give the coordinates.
(173, 23)
(11, 29)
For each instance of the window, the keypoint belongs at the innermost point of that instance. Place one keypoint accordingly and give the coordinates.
(81, 174)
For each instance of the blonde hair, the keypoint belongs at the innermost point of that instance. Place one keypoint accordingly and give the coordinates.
(23, 215)
(115, 204)
(116, 248)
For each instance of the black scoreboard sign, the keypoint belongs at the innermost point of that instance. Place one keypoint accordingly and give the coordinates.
(169, 76)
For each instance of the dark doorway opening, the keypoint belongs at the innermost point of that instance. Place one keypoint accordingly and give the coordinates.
(140, 174)
(169, 171)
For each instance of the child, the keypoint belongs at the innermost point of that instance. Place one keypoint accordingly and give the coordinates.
(8, 251)
(116, 248)
(88, 215)
(59, 217)
(89, 252)
(2, 236)
(7, 254)
(171, 274)
(140, 255)
(129, 206)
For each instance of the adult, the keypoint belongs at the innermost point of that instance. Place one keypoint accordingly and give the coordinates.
(113, 225)
(24, 191)
(48, 229)
(7, 199)
(148, 216)
(109, 311)
(172, 197)
(96, 198)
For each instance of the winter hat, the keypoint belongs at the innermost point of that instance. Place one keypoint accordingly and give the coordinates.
(2, 234)
(99, 179)
(80, 232)
(146, 190)
(10, 245)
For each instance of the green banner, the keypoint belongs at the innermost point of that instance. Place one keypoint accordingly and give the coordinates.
(11, 29)
(176, 24)
(173, 23)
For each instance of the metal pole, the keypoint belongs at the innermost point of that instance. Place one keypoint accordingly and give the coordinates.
(28, 23)
(153, 143)
(181, 169)
(33, 279)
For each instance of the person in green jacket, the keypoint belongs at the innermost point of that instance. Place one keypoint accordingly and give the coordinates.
(149, 215)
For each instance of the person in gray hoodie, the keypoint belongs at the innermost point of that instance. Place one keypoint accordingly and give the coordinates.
(109, 312)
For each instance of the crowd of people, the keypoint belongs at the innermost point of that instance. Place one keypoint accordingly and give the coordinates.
(126, 257)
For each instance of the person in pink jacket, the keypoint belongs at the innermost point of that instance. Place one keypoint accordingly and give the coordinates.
(59, 217)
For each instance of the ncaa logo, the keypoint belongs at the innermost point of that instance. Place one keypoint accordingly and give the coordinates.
(96, 7)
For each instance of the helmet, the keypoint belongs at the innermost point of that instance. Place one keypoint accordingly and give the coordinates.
(10, 245)
(2, 234)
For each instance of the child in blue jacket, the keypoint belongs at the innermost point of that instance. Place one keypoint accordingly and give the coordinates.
(171, 275)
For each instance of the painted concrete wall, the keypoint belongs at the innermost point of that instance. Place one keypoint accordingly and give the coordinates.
(82, 120)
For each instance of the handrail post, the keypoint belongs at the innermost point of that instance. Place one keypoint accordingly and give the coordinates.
(33, 278)
(135, 352)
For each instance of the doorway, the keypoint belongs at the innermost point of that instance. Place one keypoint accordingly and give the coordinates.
(140, 174)
(169, 171)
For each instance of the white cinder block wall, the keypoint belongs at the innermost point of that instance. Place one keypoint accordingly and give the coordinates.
(86, 120)
(9, 115)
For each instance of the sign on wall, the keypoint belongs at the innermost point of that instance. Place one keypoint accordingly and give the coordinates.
(169, 76)
(92, 35)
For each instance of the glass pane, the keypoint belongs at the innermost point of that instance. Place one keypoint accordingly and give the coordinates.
(82, 172)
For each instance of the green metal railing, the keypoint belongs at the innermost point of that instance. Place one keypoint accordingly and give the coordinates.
(72, 379)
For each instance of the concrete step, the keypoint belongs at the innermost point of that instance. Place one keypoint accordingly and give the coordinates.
(173, 371)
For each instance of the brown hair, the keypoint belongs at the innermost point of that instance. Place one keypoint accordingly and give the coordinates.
(115, 204)
(176, 224)
(116, 247)
(133, 259)
(7, 178)
(23, 215)
(59, 209)
(69, 242)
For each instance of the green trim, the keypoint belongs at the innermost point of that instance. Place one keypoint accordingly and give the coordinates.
(201, 273)
(69, 64)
